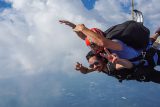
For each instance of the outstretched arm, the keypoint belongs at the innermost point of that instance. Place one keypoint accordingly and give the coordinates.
(98, 39)
(72, 25)
(82, 69)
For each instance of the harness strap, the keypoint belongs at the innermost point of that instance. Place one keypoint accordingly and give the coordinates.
(140, 57)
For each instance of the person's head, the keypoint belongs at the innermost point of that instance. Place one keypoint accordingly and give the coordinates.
(95, 61)
(92, 45)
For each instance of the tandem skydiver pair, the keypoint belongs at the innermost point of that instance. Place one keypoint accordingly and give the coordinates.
(125, 46)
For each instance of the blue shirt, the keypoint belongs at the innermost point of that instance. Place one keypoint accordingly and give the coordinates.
(127, 52)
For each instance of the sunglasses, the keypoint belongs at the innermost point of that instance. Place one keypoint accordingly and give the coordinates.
(95, 63)
(92, 45)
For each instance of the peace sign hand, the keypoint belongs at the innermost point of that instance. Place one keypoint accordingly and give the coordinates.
(78, 66)
(106, 54)
(81, 68)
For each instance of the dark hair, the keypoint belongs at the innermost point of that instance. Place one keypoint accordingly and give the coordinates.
(89, 55)
(92, 54)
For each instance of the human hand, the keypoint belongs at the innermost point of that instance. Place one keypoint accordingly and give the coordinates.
(113, 58)
(105, 55)
(81, 68)
(72, 25)
(79, 27)
(78, 66)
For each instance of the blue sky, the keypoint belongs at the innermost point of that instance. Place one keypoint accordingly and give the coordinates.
(89, 4)
(4, 5)
(126, 7)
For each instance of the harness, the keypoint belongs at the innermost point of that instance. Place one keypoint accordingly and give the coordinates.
(130, 74)
(141, 58)
(147, 55)
(137, 72)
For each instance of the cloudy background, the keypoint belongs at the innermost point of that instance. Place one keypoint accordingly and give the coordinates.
(37, 54)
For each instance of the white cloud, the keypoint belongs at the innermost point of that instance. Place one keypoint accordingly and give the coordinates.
(151, 11)
(32, 40)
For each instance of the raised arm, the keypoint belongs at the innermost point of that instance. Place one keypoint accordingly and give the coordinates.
(72, 25)
(98, 39)
(82, 69)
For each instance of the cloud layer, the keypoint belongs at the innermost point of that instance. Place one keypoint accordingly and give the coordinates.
(37, 55)
(32, 40)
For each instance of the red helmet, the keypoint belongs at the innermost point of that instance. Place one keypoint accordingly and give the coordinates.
(96, 30)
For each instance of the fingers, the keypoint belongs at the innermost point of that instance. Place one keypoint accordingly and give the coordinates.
(114, 60)
(115, 55)
(110, 58)
(78, 66)
(106, 50)
(60, 20)
(64, 21)
(72, 25)
(78, 63)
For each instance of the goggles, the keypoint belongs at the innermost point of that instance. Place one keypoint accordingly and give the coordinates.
(89, 43)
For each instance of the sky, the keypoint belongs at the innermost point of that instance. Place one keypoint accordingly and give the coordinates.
(38, 54)
(89, 4)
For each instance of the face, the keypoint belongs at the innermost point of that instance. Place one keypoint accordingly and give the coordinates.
(96, 64)
(95, 48)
